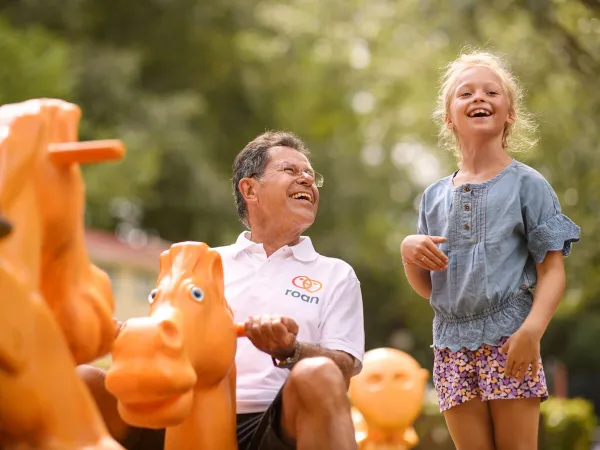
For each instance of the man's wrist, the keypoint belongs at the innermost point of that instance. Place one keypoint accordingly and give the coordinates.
(284, 353)
(286, 362)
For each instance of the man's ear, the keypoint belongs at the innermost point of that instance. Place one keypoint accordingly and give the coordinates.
(248, 189)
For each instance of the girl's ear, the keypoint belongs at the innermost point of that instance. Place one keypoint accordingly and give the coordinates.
(448, 121)
(512, 116)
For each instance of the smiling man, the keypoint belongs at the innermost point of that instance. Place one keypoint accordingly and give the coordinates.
(302, 312)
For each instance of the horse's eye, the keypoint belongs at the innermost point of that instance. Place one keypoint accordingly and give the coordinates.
(197, 294)
(152, 295)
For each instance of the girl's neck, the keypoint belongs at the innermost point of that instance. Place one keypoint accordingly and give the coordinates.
(480, 158)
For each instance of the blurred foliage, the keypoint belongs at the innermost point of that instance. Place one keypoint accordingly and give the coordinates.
(566, 424)
(187, 83)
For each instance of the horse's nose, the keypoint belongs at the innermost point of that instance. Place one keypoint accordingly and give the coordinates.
(5, 227)
(169, 334)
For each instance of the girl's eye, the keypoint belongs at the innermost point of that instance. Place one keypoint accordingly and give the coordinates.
(465, 94)
(493, 93)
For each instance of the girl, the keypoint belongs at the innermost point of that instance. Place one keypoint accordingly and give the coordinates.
(500, 232)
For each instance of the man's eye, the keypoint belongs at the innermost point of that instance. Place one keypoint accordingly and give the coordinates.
(289, 170)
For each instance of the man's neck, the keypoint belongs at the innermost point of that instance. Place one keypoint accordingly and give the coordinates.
(273, 241)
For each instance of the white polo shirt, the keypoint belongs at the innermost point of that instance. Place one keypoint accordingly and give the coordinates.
(321, 294)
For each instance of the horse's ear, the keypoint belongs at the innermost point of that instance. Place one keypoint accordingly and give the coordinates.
(216, 271)
(165, 264)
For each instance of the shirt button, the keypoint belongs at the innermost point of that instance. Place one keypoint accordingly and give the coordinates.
(467, 189)
(467, 227)
(523, 286)
(467, 207)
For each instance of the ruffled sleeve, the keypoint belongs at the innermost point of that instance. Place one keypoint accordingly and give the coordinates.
(546, 227)
(557, 233)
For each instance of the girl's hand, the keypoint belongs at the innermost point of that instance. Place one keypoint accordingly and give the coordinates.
(523, 350)
(422, 250)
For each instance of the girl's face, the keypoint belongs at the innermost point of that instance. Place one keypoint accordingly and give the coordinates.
(479, 105)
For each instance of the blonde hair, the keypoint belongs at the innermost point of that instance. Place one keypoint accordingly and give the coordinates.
(519, 136)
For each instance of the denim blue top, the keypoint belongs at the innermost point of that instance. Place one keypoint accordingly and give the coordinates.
(495, 232)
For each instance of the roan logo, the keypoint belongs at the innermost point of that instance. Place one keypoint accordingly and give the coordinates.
(303, 297)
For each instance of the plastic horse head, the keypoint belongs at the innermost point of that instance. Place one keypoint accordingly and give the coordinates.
(176, 368)
(388, 396)
(49, 290)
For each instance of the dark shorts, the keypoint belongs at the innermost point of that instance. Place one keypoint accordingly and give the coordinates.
(258, 431)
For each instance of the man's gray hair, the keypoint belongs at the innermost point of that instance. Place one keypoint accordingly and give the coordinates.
(253, 160)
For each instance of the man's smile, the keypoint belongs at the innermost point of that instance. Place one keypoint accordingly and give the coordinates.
(305, 196)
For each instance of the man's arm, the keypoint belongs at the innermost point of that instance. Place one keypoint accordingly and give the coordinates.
(343, 360)
(276, 336)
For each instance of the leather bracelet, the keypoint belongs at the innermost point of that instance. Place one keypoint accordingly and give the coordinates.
(287, 363)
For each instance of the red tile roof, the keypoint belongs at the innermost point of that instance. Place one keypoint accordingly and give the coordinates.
(105, 247)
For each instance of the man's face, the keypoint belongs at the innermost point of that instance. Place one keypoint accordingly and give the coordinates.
(287, 191)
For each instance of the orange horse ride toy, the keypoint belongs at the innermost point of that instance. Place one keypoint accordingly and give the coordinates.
(56, 306)
(388, 397)
(176, 368)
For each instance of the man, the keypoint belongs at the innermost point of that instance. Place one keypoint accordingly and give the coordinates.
(302, 312)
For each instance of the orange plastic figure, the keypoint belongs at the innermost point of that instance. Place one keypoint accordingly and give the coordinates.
(56, 306)
(388, 397)
(175, 369)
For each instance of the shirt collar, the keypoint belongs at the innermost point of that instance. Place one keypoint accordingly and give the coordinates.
(302, 251)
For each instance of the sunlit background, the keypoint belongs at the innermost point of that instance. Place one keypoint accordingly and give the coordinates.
(187, 83)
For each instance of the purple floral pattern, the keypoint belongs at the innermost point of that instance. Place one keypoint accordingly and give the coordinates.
(466, 374)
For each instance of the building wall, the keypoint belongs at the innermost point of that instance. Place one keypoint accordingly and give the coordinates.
(131, 286)
(132, 271)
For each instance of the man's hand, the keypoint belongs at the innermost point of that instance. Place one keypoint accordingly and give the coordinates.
(275, 335)
(118, 326)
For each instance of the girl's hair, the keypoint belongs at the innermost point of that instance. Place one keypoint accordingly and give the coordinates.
(519, 136)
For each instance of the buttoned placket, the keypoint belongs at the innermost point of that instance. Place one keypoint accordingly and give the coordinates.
(262, 269)
(265, 266)
(465, 225)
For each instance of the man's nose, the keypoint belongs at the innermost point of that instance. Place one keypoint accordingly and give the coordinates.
(306, 179)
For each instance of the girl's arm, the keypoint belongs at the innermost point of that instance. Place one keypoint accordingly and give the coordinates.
(550, 287)
(421, 255)
(419, 279)
(523, 347)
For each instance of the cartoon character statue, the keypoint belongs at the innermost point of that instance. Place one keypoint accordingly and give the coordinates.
(175, 369)
(387, 398)
(56, 306)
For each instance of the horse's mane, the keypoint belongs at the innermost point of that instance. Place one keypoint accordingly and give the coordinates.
(19, 145)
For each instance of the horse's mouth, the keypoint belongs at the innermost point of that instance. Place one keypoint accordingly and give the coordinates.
(157, 413)
(152, 406)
